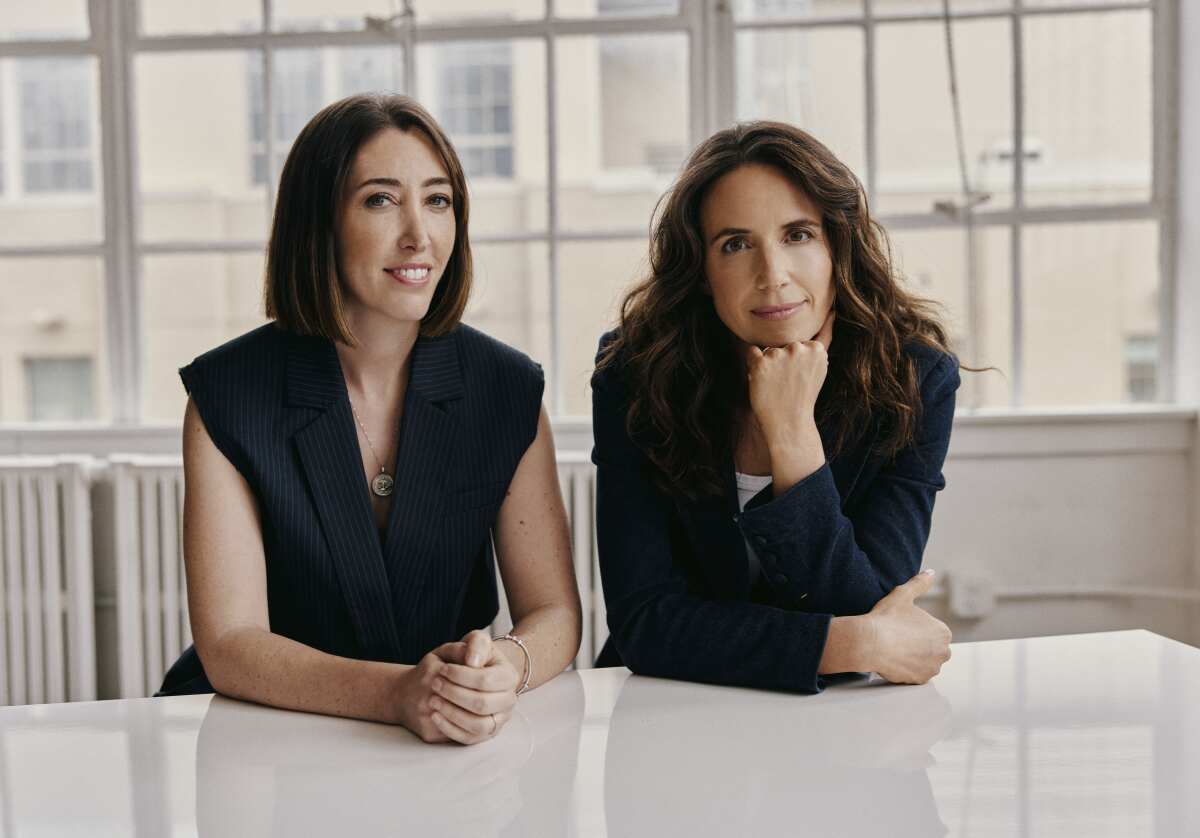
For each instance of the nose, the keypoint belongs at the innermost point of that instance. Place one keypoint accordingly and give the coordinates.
(772, 272)
(412, 234)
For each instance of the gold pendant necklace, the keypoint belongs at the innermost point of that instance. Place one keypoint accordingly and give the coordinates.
(382, 483)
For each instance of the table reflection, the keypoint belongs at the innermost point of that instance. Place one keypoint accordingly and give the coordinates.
(850, 761)
(261, 771)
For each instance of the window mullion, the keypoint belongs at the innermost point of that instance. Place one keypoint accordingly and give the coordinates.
(1165, 178)
(1017, 362)
(870, 116)
(556, 348)
(267, 56)
(112, 26)
(717, 85)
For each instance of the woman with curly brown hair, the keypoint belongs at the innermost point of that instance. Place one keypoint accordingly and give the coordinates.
(770, 420)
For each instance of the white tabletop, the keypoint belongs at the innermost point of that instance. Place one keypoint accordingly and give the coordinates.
(1092, 735)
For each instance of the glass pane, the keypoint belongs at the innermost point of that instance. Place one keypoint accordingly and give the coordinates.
(50, 168)
(812, 79)
(1090, 312)
(44, 20)
(934, 265)
(615, 8)
(477, 11)
(623, 127)
(191, 303)
(490, 96)
(918, 156)
(510, 299)
(306, 80)
(60, 389)
(796, 9)
(882, 8)
(172, 17)
(53, 352)
(593, 278)
(199, 127)
(1088, 108)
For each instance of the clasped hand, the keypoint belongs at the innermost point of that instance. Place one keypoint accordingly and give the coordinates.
(460, 692)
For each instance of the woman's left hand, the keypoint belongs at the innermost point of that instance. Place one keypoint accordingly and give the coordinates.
(476, 689)
(785, 381)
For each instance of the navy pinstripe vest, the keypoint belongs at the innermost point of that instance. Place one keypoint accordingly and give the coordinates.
(275, 405)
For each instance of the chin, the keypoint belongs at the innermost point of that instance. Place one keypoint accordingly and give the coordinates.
(781, 336)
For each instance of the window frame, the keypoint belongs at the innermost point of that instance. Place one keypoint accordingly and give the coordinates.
(115, 41)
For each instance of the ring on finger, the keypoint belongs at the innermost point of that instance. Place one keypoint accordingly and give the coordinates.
(495, 725)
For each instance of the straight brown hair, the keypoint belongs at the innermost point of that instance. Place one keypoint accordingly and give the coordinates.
(302, 292)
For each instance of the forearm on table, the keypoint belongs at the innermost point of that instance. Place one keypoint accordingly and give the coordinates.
(254, 664)
(847, 646)
(551, 634)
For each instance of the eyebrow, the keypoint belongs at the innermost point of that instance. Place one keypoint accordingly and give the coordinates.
(391, 181)
(736, 231)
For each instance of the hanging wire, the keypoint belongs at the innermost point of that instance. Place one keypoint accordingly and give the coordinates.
(965, 211)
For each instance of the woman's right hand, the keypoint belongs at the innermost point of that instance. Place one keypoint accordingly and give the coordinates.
(436, 705)
(908, 645)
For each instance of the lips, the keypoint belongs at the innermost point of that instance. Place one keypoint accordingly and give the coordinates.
(780, 312)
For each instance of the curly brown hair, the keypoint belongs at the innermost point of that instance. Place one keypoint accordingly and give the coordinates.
(685, 382)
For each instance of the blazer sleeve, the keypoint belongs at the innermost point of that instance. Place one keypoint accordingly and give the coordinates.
(661, 625)
(817, 557)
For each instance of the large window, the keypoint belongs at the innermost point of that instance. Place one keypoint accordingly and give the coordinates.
(1043, 231)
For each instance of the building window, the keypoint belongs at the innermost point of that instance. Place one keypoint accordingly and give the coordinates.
(1141, 368)
(475, 105)
(305, 80)
(59, 389)
(370, 70)
(298, 93)
(56, 119)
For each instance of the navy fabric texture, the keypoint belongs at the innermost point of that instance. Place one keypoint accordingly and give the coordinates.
(675, 572)
(275, 404)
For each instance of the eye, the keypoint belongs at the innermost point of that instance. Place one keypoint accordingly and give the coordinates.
(440, 200)
(799, 234)
(377, 200)
(733, 244)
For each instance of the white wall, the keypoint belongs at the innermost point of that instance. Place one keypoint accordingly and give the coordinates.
(1058, 514)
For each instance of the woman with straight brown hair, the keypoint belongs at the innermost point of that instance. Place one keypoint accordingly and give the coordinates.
(770, 420)
(348, 464)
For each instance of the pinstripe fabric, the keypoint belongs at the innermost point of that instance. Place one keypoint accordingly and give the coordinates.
(275, 405)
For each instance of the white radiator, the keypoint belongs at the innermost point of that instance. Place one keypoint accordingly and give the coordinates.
(47, 622)
(152, 618)
(577, 477)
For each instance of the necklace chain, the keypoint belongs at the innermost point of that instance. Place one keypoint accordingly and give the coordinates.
(367, 436)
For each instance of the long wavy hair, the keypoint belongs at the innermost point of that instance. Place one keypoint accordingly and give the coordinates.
(686, 384)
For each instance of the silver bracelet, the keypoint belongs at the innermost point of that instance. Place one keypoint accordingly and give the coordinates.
(528, 660)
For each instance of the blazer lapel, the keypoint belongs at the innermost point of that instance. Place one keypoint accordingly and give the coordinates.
(329, 453)
(848, 465)
(428, 436)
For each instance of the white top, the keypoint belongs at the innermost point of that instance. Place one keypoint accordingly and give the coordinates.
(1085, 735)
(749, 485)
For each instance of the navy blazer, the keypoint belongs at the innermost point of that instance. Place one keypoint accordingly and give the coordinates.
(676, 575)
(275, 404)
